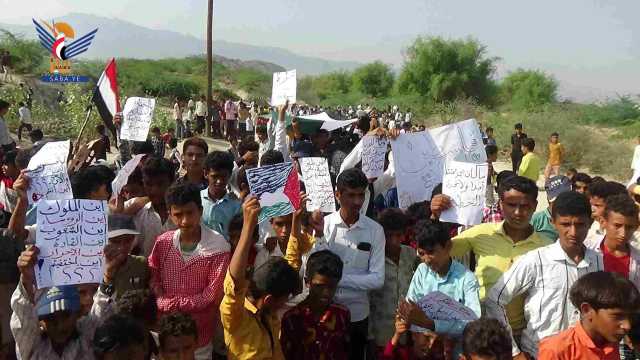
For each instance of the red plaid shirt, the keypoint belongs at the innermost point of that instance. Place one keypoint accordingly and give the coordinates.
(193, 287)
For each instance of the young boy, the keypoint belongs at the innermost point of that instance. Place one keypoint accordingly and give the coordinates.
(599, 192)
(188, 265)
(178, 337)
(317, 327)
(485, 339)
(248, 309)
(134, 272)
(531, 164)
(400, 263)
(490, 139)
(194, 152)
(263, 140)
(556, 156)
(620, 221)
(120, 337)
(153, 218)
(581, 182)
(282, 228)
(439, 272)
(541, 220)
(218, 205)
(157, 142)
(606, 303)
(516, 147)
(47, 324)
(545, 275)
(498, 245)
(359, 241)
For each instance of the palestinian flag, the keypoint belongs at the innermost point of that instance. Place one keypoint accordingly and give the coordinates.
(105, 96)
(310, 124)
(277, 188)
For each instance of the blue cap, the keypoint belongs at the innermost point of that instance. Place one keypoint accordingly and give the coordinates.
(58, 298)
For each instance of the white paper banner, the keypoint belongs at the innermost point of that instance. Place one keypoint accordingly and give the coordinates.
(284, 88)
(137, 116)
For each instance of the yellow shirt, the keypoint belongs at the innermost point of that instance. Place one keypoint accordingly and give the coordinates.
(530, 167)
(297, 248)
(556, 153)
(248, 333)
(495, 253)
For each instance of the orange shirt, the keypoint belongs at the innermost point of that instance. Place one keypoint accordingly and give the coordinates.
(574, 343)
(556, 153)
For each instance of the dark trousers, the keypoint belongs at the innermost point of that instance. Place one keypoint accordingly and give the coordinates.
(358, 333)
(516, 159)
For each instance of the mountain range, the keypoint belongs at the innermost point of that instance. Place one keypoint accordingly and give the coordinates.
(124, 39)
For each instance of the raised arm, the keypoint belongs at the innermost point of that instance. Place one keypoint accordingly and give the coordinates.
(18, 217)
(240, 258)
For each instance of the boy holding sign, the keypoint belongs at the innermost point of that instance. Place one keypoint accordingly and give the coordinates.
(47, 325)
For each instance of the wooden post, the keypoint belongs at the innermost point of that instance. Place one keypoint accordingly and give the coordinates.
(86, 120)
(209, 66)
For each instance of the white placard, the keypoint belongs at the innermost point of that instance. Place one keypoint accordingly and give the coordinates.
(284, 88)
(47, 172)
(438, 306)
(71, 236)
(317, 182)
(419, 157)
(466, 185)
(137, 116)
(123, 175)
(374, 149)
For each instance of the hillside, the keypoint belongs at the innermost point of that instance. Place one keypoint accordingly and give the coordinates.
(127, 40)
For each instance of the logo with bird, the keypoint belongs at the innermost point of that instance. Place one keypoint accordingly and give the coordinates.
(58, 39)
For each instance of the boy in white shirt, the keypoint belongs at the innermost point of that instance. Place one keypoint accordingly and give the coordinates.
(545, 275)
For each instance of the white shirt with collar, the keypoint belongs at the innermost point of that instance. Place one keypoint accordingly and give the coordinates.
(363, 270)
(25, 114)
(544, 276)
(595, 243)
(150, 226)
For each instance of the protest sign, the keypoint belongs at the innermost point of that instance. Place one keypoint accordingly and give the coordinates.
(284, 88)
(465, 184)
(438, 306)
(461, 141)
(419, 157)
(71, 235)
(277, 188)
(47, 172)
(317, 182)
(123, 175)
(418, 167)
(137, 116)
(374, 149)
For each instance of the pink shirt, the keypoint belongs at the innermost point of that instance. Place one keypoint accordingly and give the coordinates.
(195, 285)
(231, 110)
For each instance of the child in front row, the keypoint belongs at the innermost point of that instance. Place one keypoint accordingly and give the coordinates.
(317, 326)
(607, 303)
(439, 272)
(248, 309)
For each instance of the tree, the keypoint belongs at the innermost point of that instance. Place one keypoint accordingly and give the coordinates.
(374, 79)
(332, 84)
(444, 70)
(26, 55)
(528, 89)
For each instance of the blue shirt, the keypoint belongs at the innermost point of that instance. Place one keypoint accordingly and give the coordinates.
(459, 284)
(217, 214)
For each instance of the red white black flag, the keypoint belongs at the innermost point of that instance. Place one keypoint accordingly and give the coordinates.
(106, 96)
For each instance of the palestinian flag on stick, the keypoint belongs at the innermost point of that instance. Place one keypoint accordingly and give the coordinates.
(105, 96)
(310, 124)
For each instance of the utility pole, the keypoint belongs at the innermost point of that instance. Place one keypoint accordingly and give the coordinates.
(209, 66)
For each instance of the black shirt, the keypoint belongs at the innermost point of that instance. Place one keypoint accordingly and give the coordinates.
(516, 142)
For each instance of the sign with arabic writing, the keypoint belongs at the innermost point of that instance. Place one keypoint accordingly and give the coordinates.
(71, 236)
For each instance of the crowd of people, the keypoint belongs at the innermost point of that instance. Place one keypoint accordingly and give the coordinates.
(189, 273)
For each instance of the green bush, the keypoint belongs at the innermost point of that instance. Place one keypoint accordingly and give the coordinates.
(528, 89)
(444, 70)
(375, 79)
(27, 56)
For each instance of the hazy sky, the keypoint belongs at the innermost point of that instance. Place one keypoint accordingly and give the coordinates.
(589, 45)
